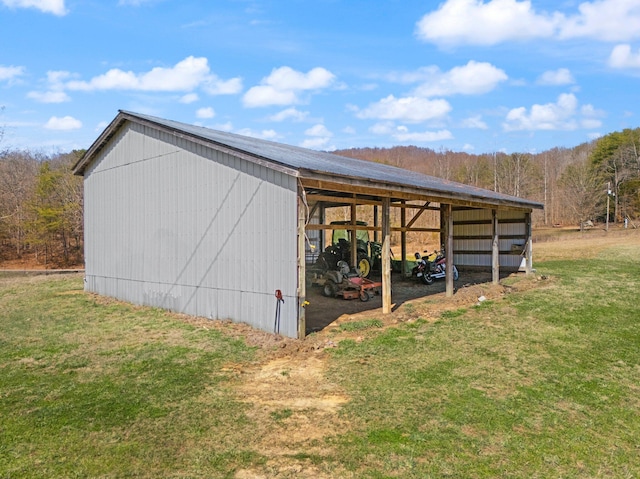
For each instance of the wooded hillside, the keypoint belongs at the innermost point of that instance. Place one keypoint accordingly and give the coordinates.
(40, 208)
(571, 182)
(41, 200)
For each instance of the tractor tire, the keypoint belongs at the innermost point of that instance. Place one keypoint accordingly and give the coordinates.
(329, 289)
(364, 266)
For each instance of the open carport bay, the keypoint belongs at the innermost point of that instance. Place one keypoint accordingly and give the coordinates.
(323, 311)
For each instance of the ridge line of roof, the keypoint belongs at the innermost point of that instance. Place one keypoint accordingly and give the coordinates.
(301, 159)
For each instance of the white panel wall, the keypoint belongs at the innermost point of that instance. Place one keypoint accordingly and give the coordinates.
(177, 225)
(469, 224)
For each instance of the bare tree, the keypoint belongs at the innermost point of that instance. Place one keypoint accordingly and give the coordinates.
(17, 182)
(581, 192)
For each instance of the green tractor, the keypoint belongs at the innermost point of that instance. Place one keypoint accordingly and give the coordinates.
(369, 252)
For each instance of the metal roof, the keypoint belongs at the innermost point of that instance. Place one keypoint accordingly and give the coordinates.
(307, 163)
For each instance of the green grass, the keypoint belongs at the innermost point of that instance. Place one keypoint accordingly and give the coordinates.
(542, 383)
(93, 390)
(361, 325)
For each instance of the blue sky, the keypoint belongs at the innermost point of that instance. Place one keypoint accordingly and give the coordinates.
(464, 75)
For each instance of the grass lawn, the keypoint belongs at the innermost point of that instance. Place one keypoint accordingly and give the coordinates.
(90, 388)
(541, 383)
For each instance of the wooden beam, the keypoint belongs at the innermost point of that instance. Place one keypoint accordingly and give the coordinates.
(412, 206)
(375, 224)
(348, 227)
(353, 238)
(403, 240)
(400, 192)
(495, 250)
(419, 213)
(341, 200)
(386, 256)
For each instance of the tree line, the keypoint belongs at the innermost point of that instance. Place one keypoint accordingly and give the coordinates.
(41, 201)
(40, 208)
(573, 183)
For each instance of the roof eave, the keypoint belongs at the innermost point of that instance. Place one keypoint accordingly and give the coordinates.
(391, 189)
(101, 141)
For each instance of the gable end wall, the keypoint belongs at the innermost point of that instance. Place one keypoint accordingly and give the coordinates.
(181, 226)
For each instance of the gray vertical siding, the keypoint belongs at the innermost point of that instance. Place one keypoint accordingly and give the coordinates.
(181, 226)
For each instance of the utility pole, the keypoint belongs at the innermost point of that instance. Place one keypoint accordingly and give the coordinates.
(609, 193)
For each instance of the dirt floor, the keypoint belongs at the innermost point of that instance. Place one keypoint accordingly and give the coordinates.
(323, 311)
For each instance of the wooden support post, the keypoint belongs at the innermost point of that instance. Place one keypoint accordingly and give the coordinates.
(353, 235)
(323, 236)
(376, 223)
(403, 241)
(529, 245)
(442, 239)
(448, 236)
(386, 256)
(495, 250)
(302, 286)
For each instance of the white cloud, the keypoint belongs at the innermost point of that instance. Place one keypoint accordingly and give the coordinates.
(216, 86)
(265, 95)
(204, 113)
(49, 96)
(189, 98)
(562, 76)
(622, 57)
(594, 135)
(606, 20)
(320, 137)
(590, 123)
(186, 75)
(56, 78)
(315, 143)
(284, 86)
(474, 78)
(402, 133)
(46, 6)
(425, 136)
(64, 123)
(10, 73)
(318, 130)
(475, 122)
(491, 22)
(561, 115)
(477, 22)
(289, 113)
(383, 128)
(411, 109)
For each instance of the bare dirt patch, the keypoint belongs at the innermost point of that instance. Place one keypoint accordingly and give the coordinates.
(293, 405)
